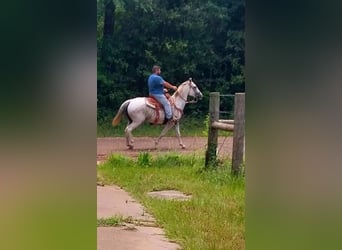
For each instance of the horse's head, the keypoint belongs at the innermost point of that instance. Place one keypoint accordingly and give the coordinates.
(194, 91)
(188, 88)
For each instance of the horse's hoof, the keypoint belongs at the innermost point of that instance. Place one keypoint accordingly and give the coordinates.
(130, 147)
(182, 146)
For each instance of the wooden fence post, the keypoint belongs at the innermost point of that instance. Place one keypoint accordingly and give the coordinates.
(214, 109)
(239, 133)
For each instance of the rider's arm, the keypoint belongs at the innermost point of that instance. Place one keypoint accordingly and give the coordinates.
(169, 86)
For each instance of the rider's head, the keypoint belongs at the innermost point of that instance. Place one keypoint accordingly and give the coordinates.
(156, 69)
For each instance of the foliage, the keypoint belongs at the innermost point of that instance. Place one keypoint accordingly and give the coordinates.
(189, 126)
(144, 159)
(206, 125)
(212, 219)
(199, 39)
(110, 222)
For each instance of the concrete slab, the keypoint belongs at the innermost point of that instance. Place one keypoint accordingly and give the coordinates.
(143, 238)
(112, 200)
(169, 195)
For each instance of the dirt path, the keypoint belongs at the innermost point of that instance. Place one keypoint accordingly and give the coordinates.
(117, 145)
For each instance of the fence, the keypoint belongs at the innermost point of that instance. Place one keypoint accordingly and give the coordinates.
(237, 126)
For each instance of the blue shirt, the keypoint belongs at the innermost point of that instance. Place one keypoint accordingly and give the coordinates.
(155, 84)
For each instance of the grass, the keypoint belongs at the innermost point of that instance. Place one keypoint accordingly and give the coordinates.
(116, 221)
(110, 222)
(212, 219)
(189, 126)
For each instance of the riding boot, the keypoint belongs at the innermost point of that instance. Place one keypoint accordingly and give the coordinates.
(166, 120)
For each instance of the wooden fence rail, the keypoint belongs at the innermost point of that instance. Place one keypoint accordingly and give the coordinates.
(237, 126)
(227, 121)
(223, 126)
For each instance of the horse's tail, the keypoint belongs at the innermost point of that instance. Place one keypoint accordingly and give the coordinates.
(123, 108)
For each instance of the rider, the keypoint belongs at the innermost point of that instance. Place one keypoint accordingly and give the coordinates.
(156, 86)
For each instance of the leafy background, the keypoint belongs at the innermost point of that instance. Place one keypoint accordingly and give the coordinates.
(199, 39)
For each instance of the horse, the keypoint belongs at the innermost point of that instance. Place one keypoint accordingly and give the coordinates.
(138, 110)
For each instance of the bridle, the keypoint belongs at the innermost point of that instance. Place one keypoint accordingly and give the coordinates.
(185, 99)
(191, 87)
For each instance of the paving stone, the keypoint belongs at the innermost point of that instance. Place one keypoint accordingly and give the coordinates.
(111, 201)
(143, 238)
(170, 195)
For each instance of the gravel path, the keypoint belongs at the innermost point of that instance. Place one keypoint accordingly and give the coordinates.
(117, 145)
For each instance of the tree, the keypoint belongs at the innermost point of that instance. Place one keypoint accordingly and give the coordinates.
(108, 32)
(199, 39)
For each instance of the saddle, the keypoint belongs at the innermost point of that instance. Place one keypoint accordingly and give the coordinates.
(153, 103)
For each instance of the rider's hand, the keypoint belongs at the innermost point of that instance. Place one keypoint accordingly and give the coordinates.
(174, 88)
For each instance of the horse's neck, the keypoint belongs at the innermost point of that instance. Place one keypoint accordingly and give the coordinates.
(180, 97)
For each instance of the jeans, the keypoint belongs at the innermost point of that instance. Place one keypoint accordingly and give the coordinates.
(163, 101)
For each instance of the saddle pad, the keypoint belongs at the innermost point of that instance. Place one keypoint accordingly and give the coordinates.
(153, 103)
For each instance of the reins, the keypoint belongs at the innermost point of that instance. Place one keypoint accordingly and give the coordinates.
(186, 101)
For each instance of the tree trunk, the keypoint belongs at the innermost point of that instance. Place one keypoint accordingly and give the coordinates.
(108, 30)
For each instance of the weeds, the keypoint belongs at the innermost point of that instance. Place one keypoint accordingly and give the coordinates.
(110, 222)
(144, 159)
(212, 219)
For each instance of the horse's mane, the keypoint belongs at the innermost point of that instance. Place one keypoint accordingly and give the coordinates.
(180, 88)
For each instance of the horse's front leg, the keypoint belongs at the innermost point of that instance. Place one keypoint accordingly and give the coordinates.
(167, 127)
(179, 136)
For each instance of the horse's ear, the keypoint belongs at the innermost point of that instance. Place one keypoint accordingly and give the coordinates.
(190, 79)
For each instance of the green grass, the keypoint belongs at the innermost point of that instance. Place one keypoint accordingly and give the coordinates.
(116, 221)
(212, 219)
(110, 222)
(189, 126)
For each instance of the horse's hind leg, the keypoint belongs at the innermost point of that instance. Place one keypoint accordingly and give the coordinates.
(127, 135)
(128, 131)
(167, 127)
